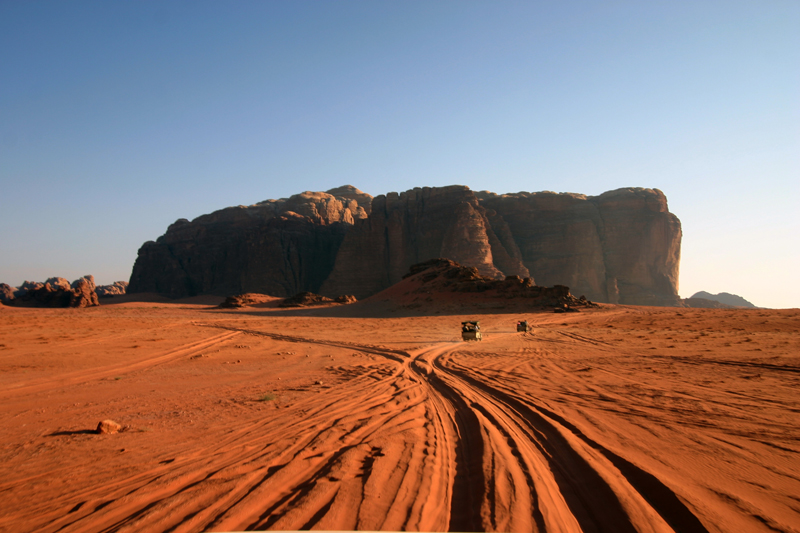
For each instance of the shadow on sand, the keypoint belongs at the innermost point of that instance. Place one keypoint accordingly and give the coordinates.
(75, 432)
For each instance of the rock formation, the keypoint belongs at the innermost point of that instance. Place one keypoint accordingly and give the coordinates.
(118, 288)
(417, 225)
(305, 299)
(703, 303)
(6, 293)
(55, 292)
(445, 276)
(108, 427)
(622, 246)
(83, 293)
(245, 300)
(60, 283)
(725, 298)
(276, 247)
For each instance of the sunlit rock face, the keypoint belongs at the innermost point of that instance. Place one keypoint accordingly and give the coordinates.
(620, 247)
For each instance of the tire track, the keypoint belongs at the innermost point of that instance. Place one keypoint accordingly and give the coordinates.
(425, 446)
(581, 470)
(73, 378)
(294, 475)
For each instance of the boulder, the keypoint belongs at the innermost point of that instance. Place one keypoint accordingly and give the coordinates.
(108, 427)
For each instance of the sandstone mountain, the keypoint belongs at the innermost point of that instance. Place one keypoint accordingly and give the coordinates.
(620, 247)
(417, 225)
(277, 247)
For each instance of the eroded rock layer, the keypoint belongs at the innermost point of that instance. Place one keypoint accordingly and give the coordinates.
(622, 246)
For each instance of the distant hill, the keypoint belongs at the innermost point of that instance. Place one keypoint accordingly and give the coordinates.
(724, 298)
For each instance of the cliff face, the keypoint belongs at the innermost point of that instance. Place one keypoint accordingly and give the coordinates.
(620, 247)
(277, 247)
(412, 227)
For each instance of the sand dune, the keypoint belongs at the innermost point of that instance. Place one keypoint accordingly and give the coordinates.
(615, 419)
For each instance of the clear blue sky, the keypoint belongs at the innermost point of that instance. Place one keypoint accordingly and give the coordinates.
(117, 118)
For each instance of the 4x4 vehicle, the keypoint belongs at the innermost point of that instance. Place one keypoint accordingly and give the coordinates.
(522, 325)
(471, 330)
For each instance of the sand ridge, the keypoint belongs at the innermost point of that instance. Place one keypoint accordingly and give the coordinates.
(619, 419)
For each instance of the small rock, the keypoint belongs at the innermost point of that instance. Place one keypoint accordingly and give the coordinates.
(108, 426)
(317, 382)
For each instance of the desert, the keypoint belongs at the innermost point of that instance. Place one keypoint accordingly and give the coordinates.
(377, 416)
(399, 266)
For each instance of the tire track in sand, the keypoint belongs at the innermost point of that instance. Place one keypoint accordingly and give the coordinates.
(422, 446)
(602, 490)
(82, 376)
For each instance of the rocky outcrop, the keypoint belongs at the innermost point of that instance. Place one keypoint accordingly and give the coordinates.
(118, 288)
(61, 283)
(445, 276)
(305, 299)
(622, 246)
(276, 247)
(6, 293)
(83, 293)
(308, 299)
(55, 292)
(245, 300)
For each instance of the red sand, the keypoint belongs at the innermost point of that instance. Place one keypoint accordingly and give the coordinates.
(617, 419)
